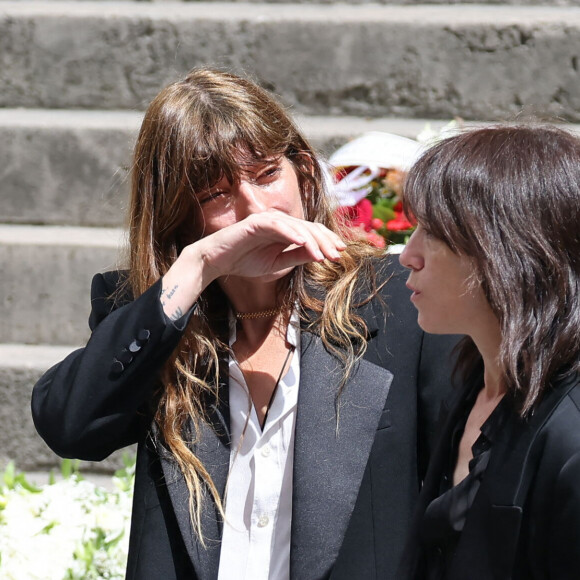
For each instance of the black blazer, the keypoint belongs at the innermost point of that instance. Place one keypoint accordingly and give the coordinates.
(354, 489)
(524, 523)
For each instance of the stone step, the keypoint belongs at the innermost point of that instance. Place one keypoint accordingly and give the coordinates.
(20, 367)
(389, 2)
(412, 2)
(65, 167)
(424, 61)
(71, 167)
(45, 282)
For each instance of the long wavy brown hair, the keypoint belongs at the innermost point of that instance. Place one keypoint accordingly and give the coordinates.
(509, 197)
(191, 137)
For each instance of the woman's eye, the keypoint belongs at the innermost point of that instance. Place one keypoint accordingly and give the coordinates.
(211, 196)
(270, 172)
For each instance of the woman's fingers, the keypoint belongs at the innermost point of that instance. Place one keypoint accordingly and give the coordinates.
(318, 240)
(329, 243)
(262, 242)
(292, 257)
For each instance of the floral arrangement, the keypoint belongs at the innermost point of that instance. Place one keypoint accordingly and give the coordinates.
(368, 180)
(378, 217)
(69, 529)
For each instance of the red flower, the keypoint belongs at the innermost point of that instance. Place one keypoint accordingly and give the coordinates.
(399, 224)
(357, 215)
(376, 239)
(377, 223)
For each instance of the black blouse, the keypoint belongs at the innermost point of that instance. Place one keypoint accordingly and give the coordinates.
(445, 516)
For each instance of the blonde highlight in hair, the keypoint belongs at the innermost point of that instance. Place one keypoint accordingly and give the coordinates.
(192, 136)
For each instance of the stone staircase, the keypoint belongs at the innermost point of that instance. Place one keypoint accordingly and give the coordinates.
(75, 77)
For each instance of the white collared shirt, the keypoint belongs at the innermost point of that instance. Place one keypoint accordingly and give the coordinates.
(258, 505)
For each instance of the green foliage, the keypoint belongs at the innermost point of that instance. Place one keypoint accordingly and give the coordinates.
(125, 477)
(70, 468)
(12, 479)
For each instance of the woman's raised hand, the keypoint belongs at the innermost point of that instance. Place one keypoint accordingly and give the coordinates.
(267, 243)
(263, 244)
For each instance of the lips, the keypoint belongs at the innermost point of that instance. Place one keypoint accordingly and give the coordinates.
(413, 290)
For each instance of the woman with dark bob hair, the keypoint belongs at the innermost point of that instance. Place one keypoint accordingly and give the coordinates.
(248, 351)
(496, 256)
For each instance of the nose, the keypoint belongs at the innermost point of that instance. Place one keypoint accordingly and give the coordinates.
(251, 198)
(411, 256)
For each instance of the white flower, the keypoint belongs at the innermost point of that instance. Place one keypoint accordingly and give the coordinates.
(70, 529)
(429, 136)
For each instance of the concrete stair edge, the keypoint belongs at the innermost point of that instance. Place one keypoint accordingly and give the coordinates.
(36, 357)
(359, 2)
(56, 236)
(250, 11)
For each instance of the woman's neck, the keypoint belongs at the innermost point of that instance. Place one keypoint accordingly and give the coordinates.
(488, 341)
(247, 296)
(257, 303)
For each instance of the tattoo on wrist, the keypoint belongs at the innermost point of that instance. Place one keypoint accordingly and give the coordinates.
(177, 314)
(167, 294)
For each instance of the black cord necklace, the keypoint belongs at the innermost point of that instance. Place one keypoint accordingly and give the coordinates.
(290, 351)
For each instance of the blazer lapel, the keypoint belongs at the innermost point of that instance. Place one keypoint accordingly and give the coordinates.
(493, 524)
(213, 450)
(330, 456)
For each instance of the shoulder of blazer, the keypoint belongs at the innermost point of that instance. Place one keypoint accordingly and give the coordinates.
(364, 302)
(392, 296)
(521, 442)
(558, 437)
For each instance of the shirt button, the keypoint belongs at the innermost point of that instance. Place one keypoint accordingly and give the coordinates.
(266, 451)
(263, 521)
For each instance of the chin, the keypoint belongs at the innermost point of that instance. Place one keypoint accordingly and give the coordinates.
(432, 327)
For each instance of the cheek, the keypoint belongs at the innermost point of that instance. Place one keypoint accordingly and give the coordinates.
(444, 306)
(288, 200)
(299, 210)
(211, 221)
(292, 195)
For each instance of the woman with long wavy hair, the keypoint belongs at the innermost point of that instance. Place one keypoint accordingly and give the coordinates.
(496, 256)
(249, 353)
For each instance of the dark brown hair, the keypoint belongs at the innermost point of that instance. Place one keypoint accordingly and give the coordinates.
(509, 197)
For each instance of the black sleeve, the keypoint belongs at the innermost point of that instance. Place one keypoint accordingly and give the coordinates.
(91, 403)
(564, 533)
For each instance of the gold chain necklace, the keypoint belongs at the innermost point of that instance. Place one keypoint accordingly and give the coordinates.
(258, 314)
